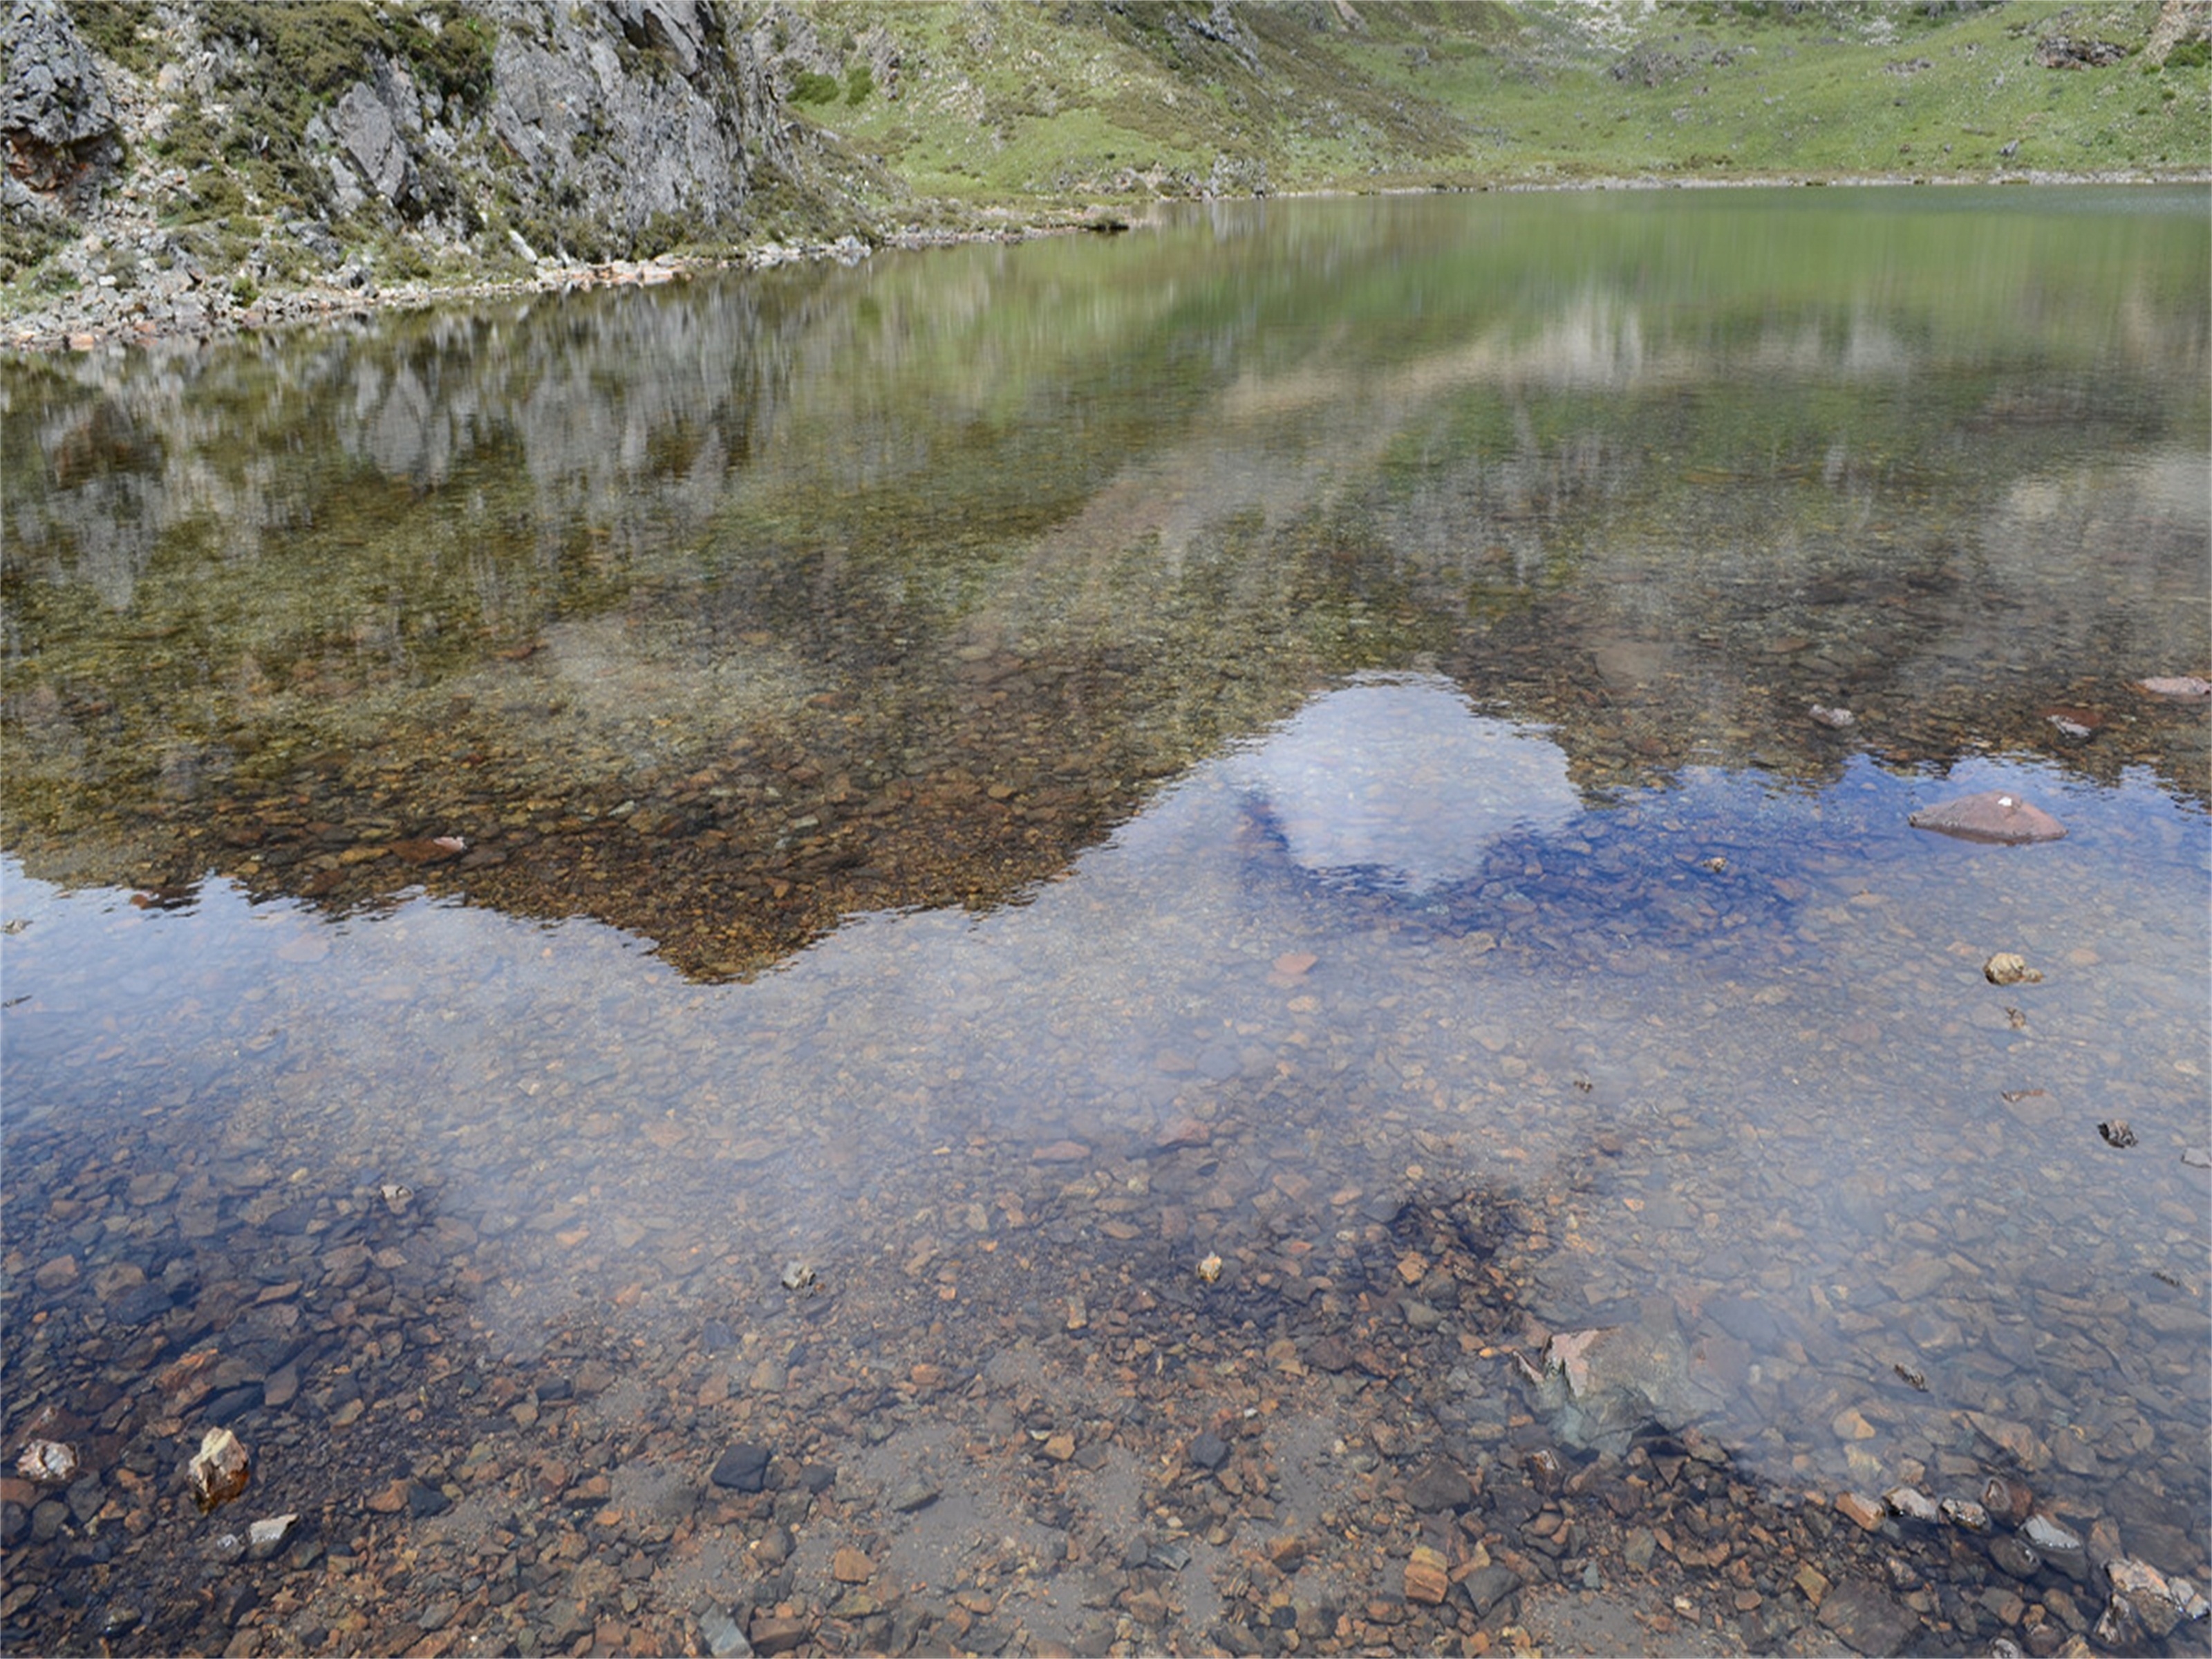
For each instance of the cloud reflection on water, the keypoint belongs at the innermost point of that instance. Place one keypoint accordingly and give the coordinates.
(1396, 779)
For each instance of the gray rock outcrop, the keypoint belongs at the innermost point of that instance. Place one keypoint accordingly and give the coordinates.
(56, 119)
(362, 126)
(648, 109)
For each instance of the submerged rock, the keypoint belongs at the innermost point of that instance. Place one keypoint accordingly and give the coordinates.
(1439, 1486)
(1991, 816)
(219, 1471)
(48, 1461)
(2007, 1499)
(431, 850)
(1865, 1619)
(1428, 1577)
(743, 1467)
(723, 1639)
(1603, 1385)
(1967, 1515)
(2060, 1546)
(1910, 1503)
(1862, 1510)
(2145, 1603)
(2177, 685)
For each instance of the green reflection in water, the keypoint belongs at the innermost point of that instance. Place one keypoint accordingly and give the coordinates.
(723, 611)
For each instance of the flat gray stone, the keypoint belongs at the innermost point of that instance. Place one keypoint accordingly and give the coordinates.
(1439, 1486)
(1866, 1620)
(1486, 1587)
(1208, 1451)
(723, 1639)
(741, 1469)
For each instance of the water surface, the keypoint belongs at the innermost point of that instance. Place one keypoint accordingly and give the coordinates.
(999, 774)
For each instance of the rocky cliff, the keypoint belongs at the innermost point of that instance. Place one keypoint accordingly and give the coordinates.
(174, 163)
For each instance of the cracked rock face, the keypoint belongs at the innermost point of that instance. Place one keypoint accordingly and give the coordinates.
(364, 128)
(678, 28)
(56, 118)
(675, 124)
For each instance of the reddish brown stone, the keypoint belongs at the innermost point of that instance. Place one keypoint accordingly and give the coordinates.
(1866, 1511)
(772, 1634)
(1992, 816)
(57, 1274)
(434, 849)
(389, 1500)
(1428, 1577)
(1182, 1132)
(220, 1471)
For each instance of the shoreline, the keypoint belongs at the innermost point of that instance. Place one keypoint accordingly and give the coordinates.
(224, 319)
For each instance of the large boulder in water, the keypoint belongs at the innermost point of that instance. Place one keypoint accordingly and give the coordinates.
(1991, 816)
(1601, 1386)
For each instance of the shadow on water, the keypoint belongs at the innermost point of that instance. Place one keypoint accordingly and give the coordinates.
(1066, 948)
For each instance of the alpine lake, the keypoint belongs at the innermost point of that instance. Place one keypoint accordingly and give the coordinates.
(1197, 941)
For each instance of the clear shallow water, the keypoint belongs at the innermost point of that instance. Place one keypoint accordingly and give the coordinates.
(1002, 775)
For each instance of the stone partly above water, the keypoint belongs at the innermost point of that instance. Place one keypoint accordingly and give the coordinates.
(219, 1471)
(1990, 815)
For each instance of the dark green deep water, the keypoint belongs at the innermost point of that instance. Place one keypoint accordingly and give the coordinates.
(893, 722)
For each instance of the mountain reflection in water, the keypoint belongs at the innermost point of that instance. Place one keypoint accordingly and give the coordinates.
(720, 613)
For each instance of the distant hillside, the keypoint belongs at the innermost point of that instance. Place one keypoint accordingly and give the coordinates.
(176, 165)
(1012, 102)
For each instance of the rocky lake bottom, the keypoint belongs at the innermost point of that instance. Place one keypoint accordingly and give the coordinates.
(1173, 1262)
(1244, 939)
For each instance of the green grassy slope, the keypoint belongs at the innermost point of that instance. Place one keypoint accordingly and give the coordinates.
(1005, 103)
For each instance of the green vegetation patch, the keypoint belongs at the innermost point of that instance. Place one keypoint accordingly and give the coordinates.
(297, 59)
(313, 50)
(124, 30)
(24, 246)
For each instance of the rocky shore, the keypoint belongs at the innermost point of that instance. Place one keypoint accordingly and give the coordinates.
(179, 302)
(181, 168)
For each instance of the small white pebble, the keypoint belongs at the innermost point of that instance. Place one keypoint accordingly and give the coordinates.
(2004, 800)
